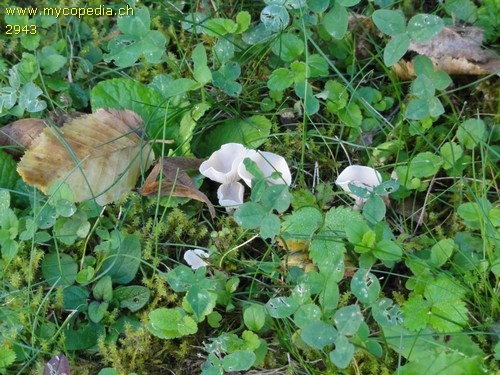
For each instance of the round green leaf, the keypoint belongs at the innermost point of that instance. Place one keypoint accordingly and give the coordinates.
(388, 250)
(318, 334)
(254, 317)
(250, 215)
(343, 353)
(281, 307)
(336, 21)
(425, 164)
(288, 47)
(365, 286)
(61, 270)
(471, 132)
(348, 320)
(374, 209)
(396, 48)
(442, 251)
(424, 27)
(275, 17)
(270, 226)
(390, 22)
(306, 314)
(132, 297)
(239, 360)
(450, 152)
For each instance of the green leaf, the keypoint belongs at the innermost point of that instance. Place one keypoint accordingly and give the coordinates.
(250, 131)
(388, 250)
(329, 296)
(108, 371)
(239, 360)
(28, 98)
(423, 87)
(470, 211)
(280, 79)
(416, 311)
(302, 223)
(471, 132)
(339, 219)
(201, 301)
(225, 78)
(250, 215)
(436, 108)
(374, 209)
(424, 27)
(318, 66)
(281, 307)
(201, 72)
(306, 314)
(348, 320)
(396, 48)
(390, 22)
(270, 226)
(59, 270)
(7, 357)
(136, 40)
(50, 60)
(386, 313)
(171, 323)
(318, 6)
(365, 286)
(288, 47)
(132, 297)
(219, 26)
(343, 353)
(122, 263)
(442, 251)
(304, 91)
(254, 317)
(181, 278)
(83, 338)
(103, 289)
(451, 153)
(425, 164)
(275, 17)
(336, 21)
(243, 20)
(276, 197)
(97, 310)
(318, 334)
(417, 109)
(449, 316)
(75, 298)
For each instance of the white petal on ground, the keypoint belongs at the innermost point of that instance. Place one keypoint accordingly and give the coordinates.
(268, 163)
(193, 258)
(230, 195)
(222, 166)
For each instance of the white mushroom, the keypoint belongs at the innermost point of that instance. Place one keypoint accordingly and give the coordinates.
(268, 163)
(193, 258)
(222, 166)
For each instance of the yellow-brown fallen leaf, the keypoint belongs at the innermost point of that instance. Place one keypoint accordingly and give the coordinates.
(455, 50)
(99, 155)
(20, 135)
(175, 181)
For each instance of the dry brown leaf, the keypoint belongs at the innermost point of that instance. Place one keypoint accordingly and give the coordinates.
(456, 50)
(175, 181)
(20, 135)
(99, 155)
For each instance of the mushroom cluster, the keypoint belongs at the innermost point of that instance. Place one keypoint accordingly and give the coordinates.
(226, 167)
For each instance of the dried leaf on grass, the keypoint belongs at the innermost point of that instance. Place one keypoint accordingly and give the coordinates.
(175, 181)
(20, 135)
(456, 50)
(99, 155)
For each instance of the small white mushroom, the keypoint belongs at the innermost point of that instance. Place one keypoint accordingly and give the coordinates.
(230, 195)
(268, 163)
(358, 175)
(222, 166)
